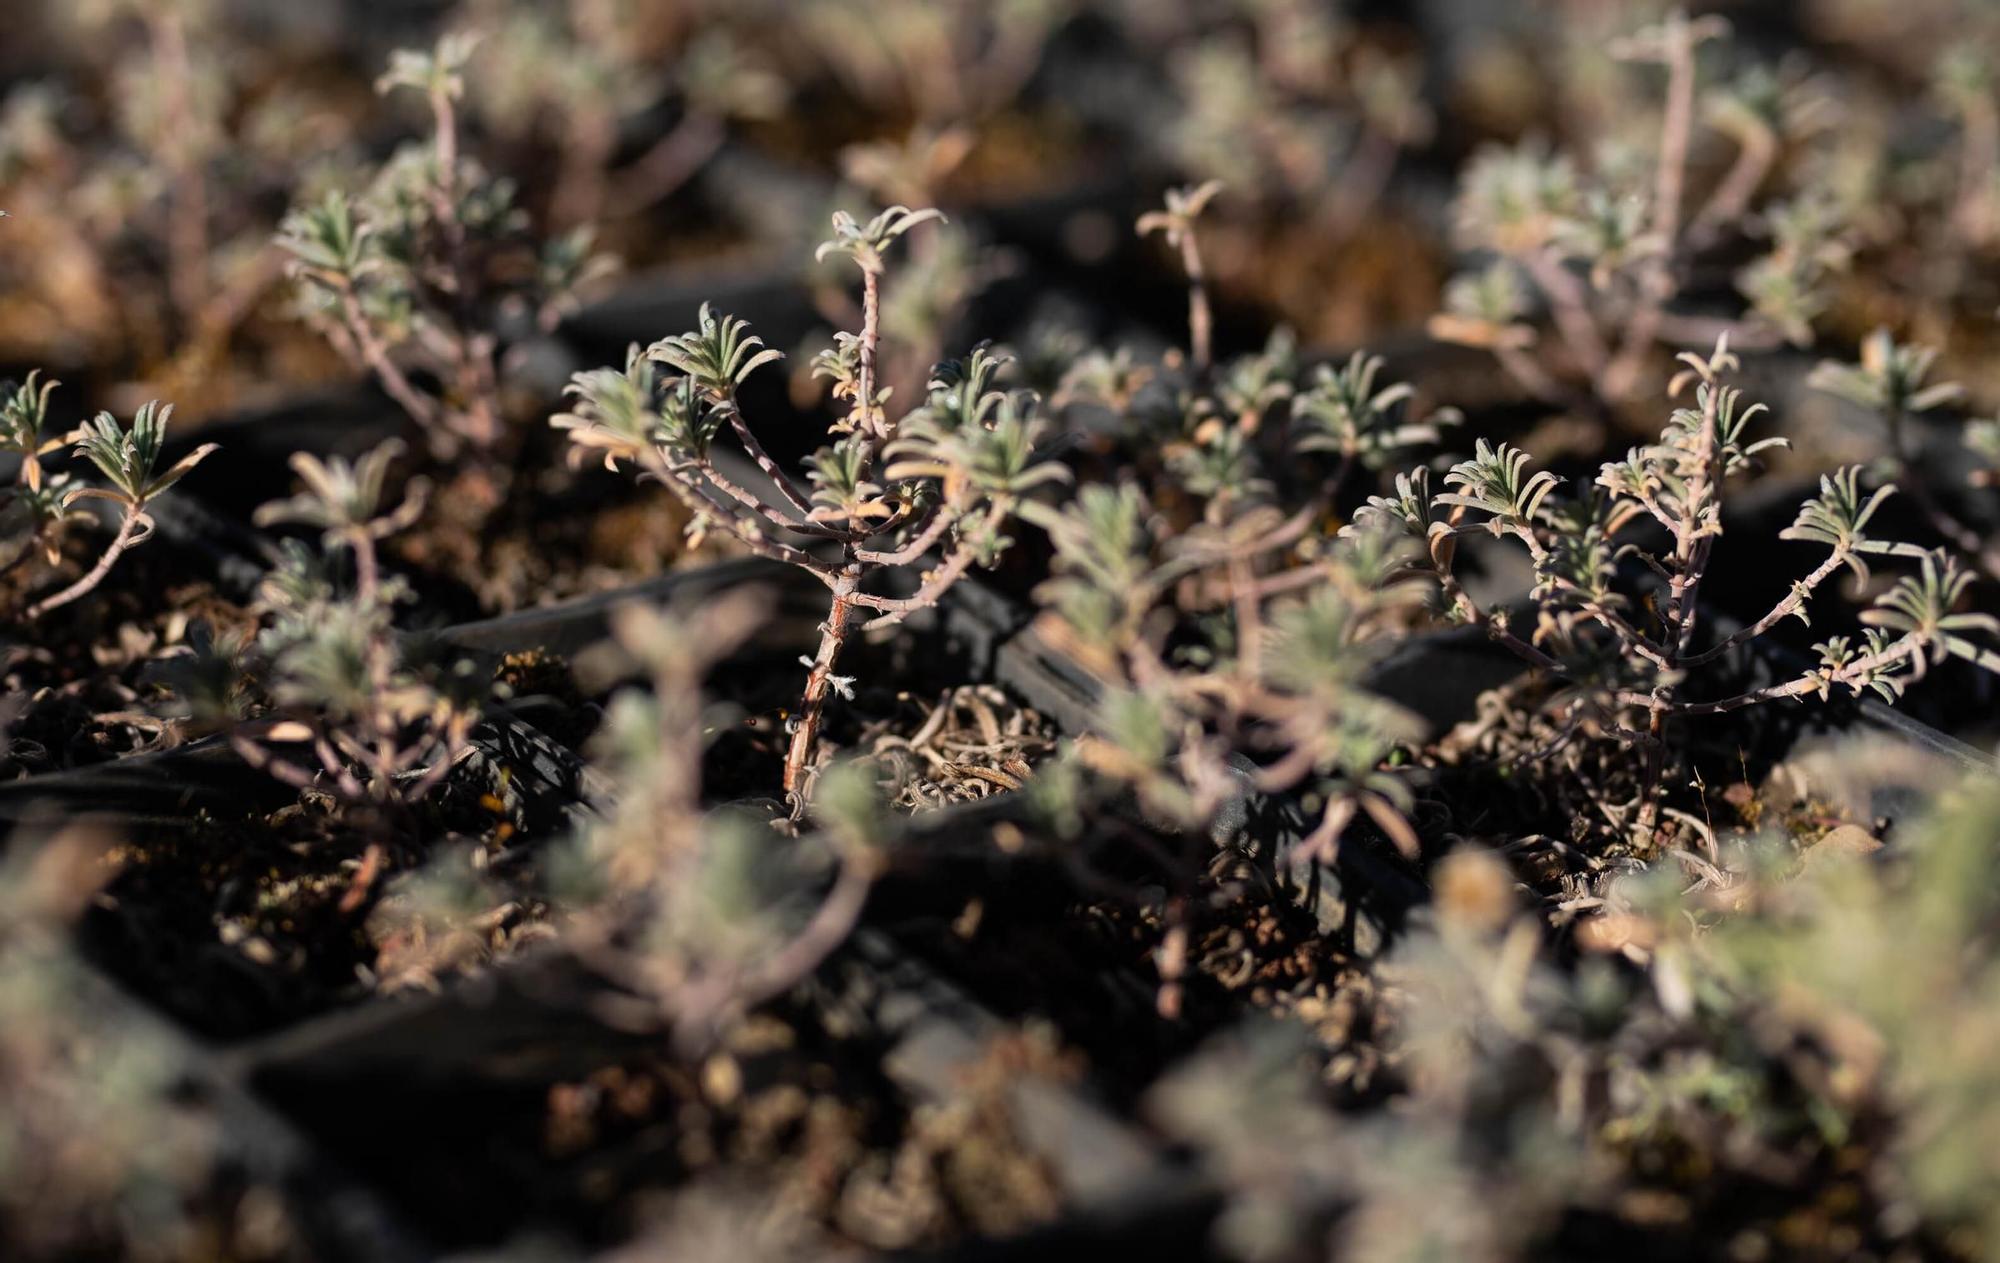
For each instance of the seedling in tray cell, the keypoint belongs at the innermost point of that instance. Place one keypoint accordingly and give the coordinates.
(40, 505)
(418, 275)
(707, 913)
(1623, 650)
(353, 711)
(1892, 380)
(886, 491)
(1605, 254)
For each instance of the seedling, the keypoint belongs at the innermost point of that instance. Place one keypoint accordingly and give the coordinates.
(1605, 257)
(418, 272)
(1891, 381)
(707, 913)
(1589, 630)
(881, 496)
(379, 729)
(579, 76)
(126, 459)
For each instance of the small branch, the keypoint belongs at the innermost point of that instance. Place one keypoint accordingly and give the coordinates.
(668, 164)
(1731, 198)
(1629, 637)
(917, 546)
(698, 498)
(1462, 601)
(871, 345)
(1779, 612)
(786, 485)
(126, 537)
(1570, 308)
(756, 504)
(895, 610)
(831, 923)
(373, 354)
(1856, 670)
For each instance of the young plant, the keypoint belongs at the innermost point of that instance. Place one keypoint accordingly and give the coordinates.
(1301, 115)
(127, 460)
(1626, 671)
(1890, 381)
(1255, 429)
(880, 497)
(374, 726)
(103, 1149)
(419, 273)
(707, 914)
(143, 167)
(1604, 253)
(1235, 649)
(1274, 668)
(576, 75)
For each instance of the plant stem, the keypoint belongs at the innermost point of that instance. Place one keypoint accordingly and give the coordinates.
(919, 544)
(671, 161)
(871, 344)
(187, 231)
(421, 408)
(1657, 285)
(1692, 541)
(1571, 311)
(805, 733)
(1201, 320)
(1898, 652)
(1731, 198)
(126, 537)
(1779, 612)
(785, 483)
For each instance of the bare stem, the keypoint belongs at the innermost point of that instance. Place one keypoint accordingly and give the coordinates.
(1903, 649)
(375, 355)
(1201, 320)
(680, 480)
(896, 609)
(757, 504)
(1731, 199)
(126, 537)
(1657, 285)
(829, 927)
(187, 231)
(919, 544)
(805, 730)
(1570, 307)
(668, 164)
(871, 344)
(784, 482)
(1779, 612)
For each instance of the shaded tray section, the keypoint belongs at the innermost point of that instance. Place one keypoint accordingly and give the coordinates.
(449, 1101)
(336, 1218)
